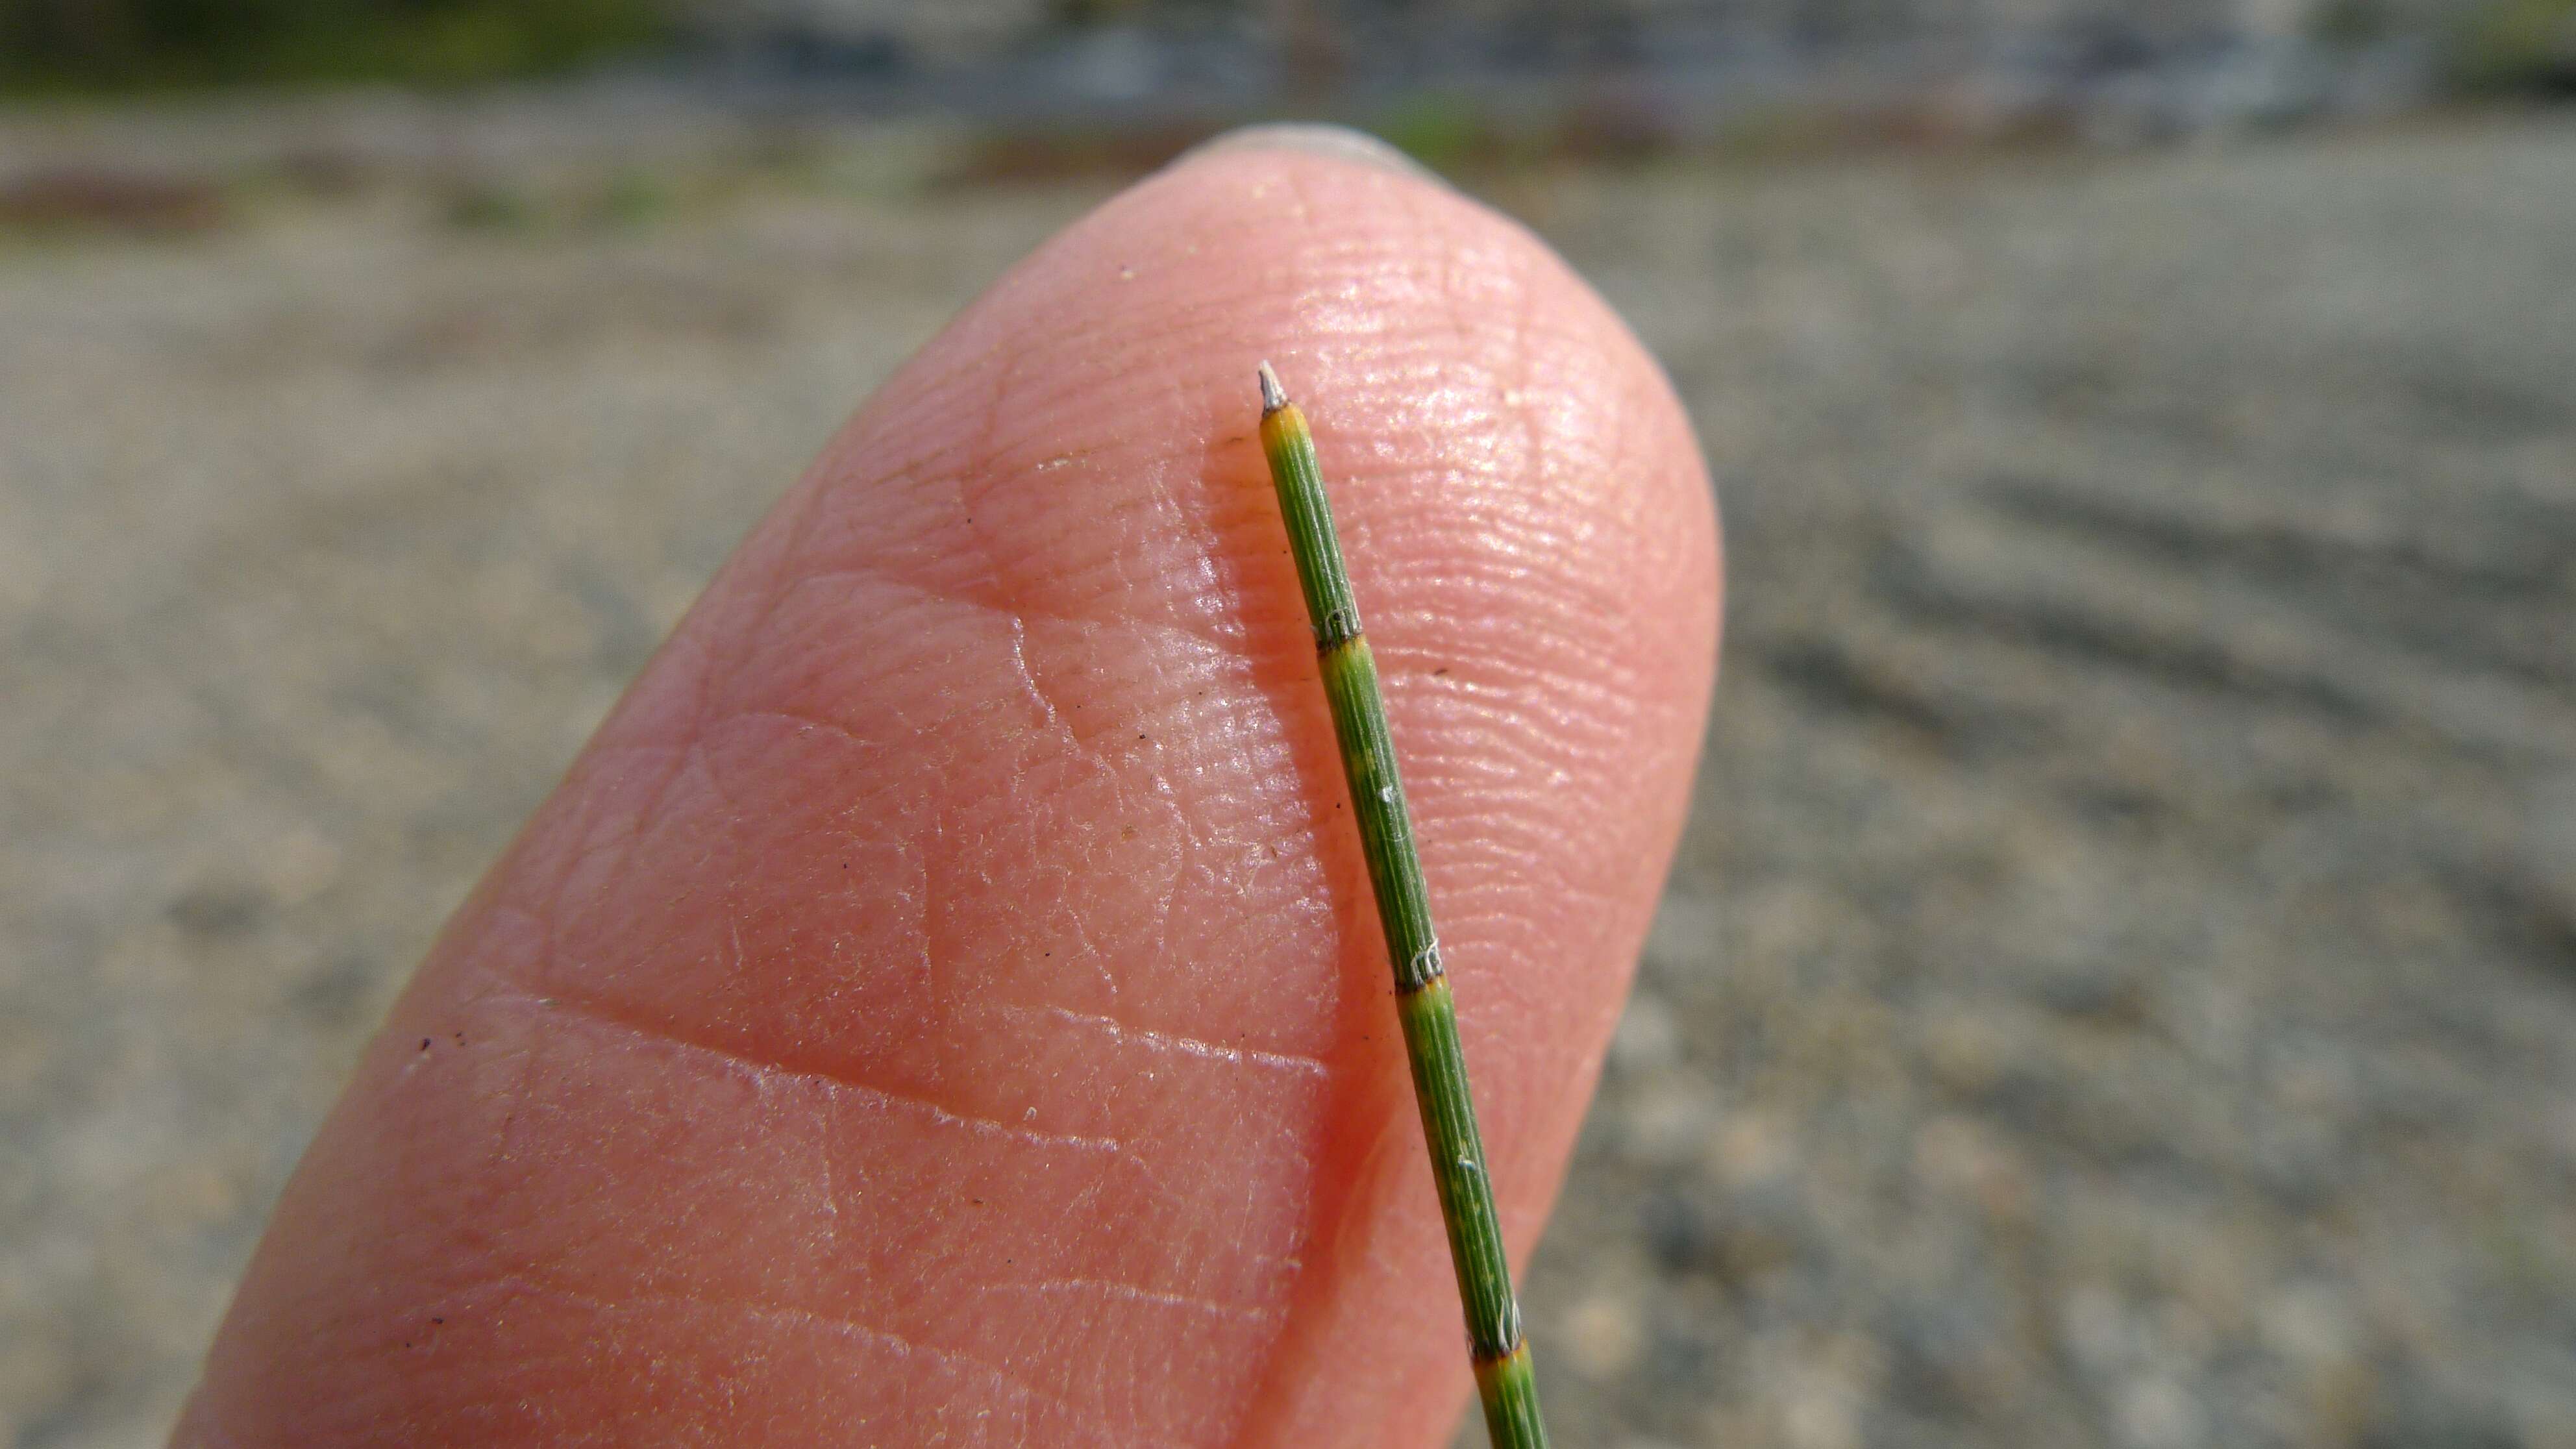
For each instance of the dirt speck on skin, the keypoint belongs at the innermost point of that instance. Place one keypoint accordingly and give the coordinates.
(2119, 984)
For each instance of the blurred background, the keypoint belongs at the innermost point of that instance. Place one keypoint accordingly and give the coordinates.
(2119, 986)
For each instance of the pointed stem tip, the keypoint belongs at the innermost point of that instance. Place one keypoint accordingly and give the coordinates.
(1273, 396)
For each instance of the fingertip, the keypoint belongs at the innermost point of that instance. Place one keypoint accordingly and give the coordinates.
(1332, 142)
(972, 887)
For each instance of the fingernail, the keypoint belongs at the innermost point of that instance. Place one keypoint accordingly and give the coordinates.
(1315, 139)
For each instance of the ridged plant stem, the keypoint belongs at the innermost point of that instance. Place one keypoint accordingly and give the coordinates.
(1423, 1003)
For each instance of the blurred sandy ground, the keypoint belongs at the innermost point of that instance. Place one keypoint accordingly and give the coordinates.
(2120, 983)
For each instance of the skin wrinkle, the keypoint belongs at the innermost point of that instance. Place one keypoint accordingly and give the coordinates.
(757, 1066)
(1135, 1294)
(597, 812)
(1084, 949)
(531, 1280)
(1014, 610)
(1511, 683)
(639, 822)
(1478, 740)
(695, 756)
(529, 1058)
(540, 975)
(1118, 1031)
(1028, 676)
(1168, 560)
(1218, 644)
(831, 1195)
(700, 681)
(823, 540)
(804, 721)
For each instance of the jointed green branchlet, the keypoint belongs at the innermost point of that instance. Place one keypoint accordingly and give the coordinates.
(1423, 1003)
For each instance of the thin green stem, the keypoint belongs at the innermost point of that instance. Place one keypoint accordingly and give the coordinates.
(1423, 1003)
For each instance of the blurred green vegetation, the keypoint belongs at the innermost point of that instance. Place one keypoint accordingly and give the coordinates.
(76, 45)
(90, 45)
(1438, 129)
(2517, 45)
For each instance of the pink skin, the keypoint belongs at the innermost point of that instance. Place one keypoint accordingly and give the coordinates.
(943, 1004)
